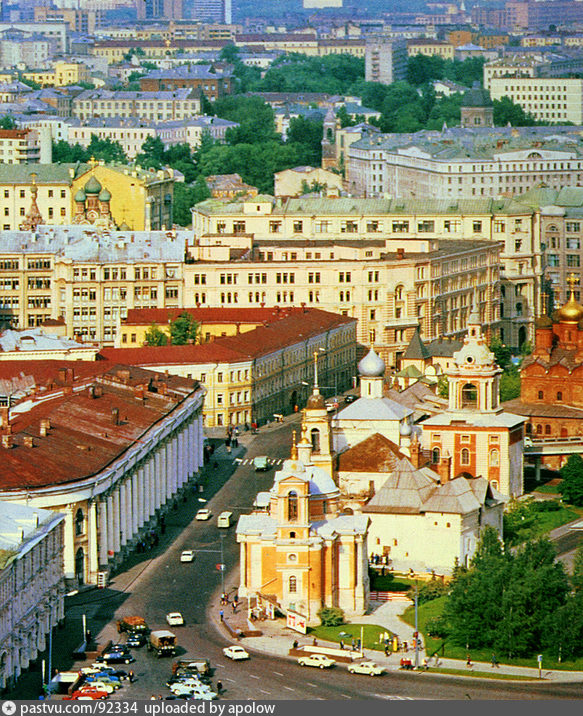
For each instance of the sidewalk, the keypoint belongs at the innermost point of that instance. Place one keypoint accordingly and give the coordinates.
(277, 639)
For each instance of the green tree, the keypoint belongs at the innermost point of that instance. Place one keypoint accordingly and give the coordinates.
(564, 629)
(571, 488)
(155, 336)
(331, 616)
(421, 69)
(65, 153)
(7, 122)
(507, 112)
(510, 383)
(577, 577)
(184, 329)
(109, 151)
(502, 353)
(152, 154)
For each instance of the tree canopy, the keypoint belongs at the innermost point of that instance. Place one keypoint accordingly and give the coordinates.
(104, 149)
(184, 329)
(571, 488)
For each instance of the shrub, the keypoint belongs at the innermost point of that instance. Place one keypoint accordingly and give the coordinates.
(430, 590)
(437, 627)
(331, 616)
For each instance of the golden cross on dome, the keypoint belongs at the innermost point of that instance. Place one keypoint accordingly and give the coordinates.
(315, 370)
(93, 162)
(294, 450)
(572, 281)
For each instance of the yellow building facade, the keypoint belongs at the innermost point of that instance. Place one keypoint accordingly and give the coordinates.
(62, 74)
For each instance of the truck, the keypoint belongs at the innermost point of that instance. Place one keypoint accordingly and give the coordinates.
(163, 642)
(200, 665)
(135, 624)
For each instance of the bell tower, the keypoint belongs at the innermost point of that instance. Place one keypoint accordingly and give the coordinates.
(474, 381)
(316, 427)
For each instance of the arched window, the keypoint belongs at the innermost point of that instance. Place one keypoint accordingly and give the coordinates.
(292, 506)
(494, 457)
(80, 565)
(564, 432)
(559, 395)
(539, 429)
(541, 395)
(528, 428)
(315, 434)
(547, 429)
(399, 293)
(465, 456)
(292, 584)
(435, 456)
(79, 522)
(469, 396)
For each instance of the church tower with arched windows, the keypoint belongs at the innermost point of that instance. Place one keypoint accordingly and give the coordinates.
(475, 435)
(316, 427)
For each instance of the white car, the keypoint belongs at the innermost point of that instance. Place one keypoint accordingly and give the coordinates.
(204, 514)
(366, 667)
(187, 555)
(237, 653)
(320, 660)
(106, 686)
(175, 619)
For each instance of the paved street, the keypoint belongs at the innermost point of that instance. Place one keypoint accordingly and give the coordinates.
(156, 583)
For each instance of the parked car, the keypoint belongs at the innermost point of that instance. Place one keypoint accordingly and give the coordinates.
(135, 639)
(237, 653)
(119, 647)
(187, 555)
(350, 398)
(175, 619)
(261, 463)
(101, 685)
(87, 694)
(104, 679)
(132, 623)
(115, 657)
(366, 667)
(97, 668)
(203, 514)
(320, 660)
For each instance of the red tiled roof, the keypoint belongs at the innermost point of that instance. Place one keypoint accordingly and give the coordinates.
(147, 316)
(290, 327)
(83, 439)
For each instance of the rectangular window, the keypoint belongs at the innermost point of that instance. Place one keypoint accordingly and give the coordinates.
(573, 243)
(573, 226)
(573, 260)
(499, 226)
(298, 227)
(477, 227)
(425, 226)
(400, 227)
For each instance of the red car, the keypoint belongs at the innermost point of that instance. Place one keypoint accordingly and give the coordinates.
(87, 694)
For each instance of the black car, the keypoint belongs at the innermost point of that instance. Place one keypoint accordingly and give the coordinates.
(350, 398)
(135, 639)
(115, 657)
(120, 673)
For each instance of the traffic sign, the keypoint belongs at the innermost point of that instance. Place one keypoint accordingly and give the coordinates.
(221, 567)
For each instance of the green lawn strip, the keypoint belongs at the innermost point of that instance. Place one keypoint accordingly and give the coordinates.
(390, 582)
(548, 489)
(481, 674)
(371, 634)
(435, 607)
(544, 522)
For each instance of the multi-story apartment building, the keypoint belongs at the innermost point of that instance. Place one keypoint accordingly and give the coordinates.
(320, 231)
(62, 74)
(56, 33)
(261, 364)
(458, 163)
(556, 100)
(18, 48)
(19, 146)
(90, 279)
(154, 106)
(77, 20)
(385, 60)
(32, 584)
(423, 46)
(522, 65)
(213, 81)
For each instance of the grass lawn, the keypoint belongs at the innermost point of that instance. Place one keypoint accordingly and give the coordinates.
(481, 674)
(371, 634)
(435, 607)
(548, 489)
(539, 523)
(390, 582)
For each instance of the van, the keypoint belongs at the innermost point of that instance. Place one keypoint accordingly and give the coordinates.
(224, 519)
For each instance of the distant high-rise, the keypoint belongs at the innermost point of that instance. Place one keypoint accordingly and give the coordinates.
(159, 9)
(212, 10)
(385, 60)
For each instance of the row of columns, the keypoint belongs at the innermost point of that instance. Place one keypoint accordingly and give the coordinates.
(116, 518)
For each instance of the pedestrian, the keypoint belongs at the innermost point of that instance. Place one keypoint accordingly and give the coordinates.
(234, 605)
(131, 676)
(386, 649)
(88, 636)
(219, 687)
(315, 642)
(222, 615)
(341, 644)
(425, 663)
(468, 660)
(295, 644)
(495, 664)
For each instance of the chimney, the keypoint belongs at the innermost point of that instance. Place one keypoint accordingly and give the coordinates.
(28, 441)
(443, 468)
(400, 254)
(124, 375)
(115, 416)
(45, 426)
(62, 374)
(8, 441)
(139, 391)
(162, 389)
(4, 416)
(68, 390)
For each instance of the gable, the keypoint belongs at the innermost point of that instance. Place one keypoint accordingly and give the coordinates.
(375, 454)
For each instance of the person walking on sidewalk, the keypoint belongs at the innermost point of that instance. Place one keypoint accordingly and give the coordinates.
(222, 615)
(469, 660)
(495, 664)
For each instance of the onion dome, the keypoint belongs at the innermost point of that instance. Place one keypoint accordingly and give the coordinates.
(93, 186)
(571, 312)
(80, 196)
(543, 322)
(104, 195)
(372, 365)
(316, 402)
(405, 429)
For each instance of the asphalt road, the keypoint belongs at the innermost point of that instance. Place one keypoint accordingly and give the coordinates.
(157, 583)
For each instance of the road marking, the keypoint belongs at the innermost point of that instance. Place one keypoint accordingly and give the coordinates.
(264, 692)
(346, 696)
(289, 688)
(253, 676)
(221, 666)
(277, 672)
(227, 679)
(314, 685)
